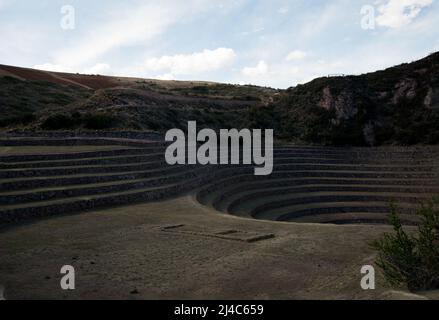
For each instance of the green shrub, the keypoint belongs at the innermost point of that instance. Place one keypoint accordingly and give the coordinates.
(262, 117)
(92, 121)
(411, 260)
(22, 119)
(59, 122)
(154, 125)
(98, 121)
(201, 89)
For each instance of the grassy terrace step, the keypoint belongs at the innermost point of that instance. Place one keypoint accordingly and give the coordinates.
(95, 155)
(41, 168)
(358, 156)
(286, 170)
(306, 170)
(407, 213)
(78, 141)
(14, 214)
(350, 161)
(293, 212)
(25, 151)
(79, 155)
(25, 206)
(307, 183)
(58, 171)
(12, 185)
(284, 200)
(19, 213)
(64, 171)
(363, 152)
(68, 187)
(279, 201)
(246, 175)
(42, 182)
(236, 198)
(355, 167)
(283, 159)
(83, 162)
(292, 171)
(37, 195)
(361, 149)
(230, 186)
(22, 212)
(357, 218)
(336, 154)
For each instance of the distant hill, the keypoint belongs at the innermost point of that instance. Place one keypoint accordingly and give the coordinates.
(34, 100)
(399, 105)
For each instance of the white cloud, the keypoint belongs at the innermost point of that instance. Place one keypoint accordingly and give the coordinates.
(259, 70)
(127, 26)
(399, 13)
(294, 70)
(139, 39)
(319, 21)
(192, 64)
(252, 32)
(138, 25)
(4, 3)
(20, 41)
(283, 10)
(166, 76)
(296, 55)
(99, 68)
(52, 67)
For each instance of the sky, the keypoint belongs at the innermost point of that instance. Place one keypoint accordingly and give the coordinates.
(275, 43)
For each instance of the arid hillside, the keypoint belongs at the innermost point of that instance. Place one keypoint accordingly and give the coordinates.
(399, 105)
(35, 100)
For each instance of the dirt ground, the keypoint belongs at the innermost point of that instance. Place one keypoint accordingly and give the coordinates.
(178, 249)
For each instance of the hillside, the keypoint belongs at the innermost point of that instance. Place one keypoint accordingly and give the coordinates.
(399, 105)
(34, 100)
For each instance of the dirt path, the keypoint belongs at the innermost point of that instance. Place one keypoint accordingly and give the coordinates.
(130, 253)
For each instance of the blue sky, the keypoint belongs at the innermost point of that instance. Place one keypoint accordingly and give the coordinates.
(277, 43)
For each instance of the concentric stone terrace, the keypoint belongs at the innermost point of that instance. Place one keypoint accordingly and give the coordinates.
(331, 185)
(44, 182)
(46, 177)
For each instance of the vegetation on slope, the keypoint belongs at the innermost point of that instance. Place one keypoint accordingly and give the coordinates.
(21, 101)
(411, 260)
(399, 105)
